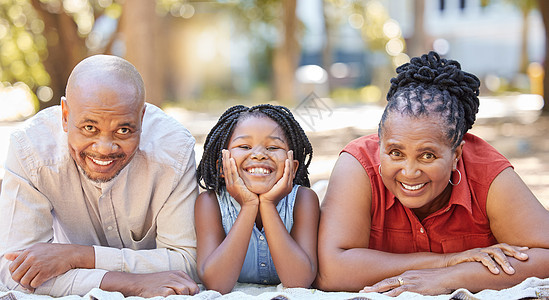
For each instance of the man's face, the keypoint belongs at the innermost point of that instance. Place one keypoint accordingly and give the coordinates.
(103, 123)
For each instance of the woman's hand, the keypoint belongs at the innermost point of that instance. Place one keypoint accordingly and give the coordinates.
(425, 282)
(284, 185)
(490, 257)
(234, 184)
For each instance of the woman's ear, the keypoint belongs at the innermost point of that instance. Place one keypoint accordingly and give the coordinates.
(457, 154)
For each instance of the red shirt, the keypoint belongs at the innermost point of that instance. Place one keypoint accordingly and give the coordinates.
(461, 225)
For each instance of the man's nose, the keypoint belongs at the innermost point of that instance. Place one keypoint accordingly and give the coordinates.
(105, 145)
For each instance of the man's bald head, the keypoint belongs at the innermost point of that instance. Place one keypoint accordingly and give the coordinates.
(102, 115)
(107, 70)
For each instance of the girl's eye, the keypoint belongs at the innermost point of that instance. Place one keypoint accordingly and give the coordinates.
(123, 131)
(244, 147)
(273, 148)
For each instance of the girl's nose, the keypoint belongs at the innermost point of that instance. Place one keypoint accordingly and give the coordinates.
(258, 154)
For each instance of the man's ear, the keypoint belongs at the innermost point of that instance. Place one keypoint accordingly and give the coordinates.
(143, 113)
(457, 154)
(64, 113)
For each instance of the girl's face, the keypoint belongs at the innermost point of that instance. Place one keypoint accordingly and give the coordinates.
(417, 161)
(260, 149)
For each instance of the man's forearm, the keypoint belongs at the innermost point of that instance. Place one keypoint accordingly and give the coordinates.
(83, 257)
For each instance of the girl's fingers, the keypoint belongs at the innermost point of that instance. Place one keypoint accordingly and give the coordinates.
(227, 167)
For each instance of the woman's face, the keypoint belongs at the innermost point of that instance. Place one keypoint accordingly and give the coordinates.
(417, 160)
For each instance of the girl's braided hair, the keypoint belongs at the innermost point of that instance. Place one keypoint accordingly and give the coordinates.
(210, 167)
(430, 85)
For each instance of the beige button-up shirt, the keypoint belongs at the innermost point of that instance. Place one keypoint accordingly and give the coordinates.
(141, 221)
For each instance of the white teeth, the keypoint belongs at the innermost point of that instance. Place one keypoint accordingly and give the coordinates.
(101, 162)
(258, 171)
(412, 187)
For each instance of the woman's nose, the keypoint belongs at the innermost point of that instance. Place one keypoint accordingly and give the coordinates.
(410, 170)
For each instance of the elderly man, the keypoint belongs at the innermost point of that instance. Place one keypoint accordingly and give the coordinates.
(100, 192)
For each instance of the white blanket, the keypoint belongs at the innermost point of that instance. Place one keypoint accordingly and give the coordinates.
(530, 288)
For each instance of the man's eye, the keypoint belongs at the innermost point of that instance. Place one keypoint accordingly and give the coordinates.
(123, 131)
(89, 128)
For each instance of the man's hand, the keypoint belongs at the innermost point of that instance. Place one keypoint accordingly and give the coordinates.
(43, 261)
(150, 285)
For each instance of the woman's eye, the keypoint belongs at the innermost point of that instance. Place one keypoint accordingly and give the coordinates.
(244, 147)
(394, 153)
(123, 131)
(428, 156)
(273, 148)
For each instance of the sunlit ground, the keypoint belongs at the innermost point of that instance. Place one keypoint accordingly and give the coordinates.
(511, 124)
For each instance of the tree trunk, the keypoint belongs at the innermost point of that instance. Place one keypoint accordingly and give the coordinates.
(417, 42)
(327, 52)
(285, 56)
(544, 9)
(140, 29)
(524, 42)
(65, 49)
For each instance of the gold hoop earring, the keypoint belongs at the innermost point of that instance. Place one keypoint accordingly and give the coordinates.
(450, 180)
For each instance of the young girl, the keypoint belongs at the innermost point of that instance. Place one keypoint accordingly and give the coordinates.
(258, 220)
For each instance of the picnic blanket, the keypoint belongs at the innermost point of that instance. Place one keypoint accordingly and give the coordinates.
(531, 288)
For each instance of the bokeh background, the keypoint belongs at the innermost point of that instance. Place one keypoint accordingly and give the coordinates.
(330, 61)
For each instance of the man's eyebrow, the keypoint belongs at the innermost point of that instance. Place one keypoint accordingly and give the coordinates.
(89, 121)
(127, 124)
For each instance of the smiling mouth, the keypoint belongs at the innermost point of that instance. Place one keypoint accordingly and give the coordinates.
(260, 171)
(412, 187)
(101, 162)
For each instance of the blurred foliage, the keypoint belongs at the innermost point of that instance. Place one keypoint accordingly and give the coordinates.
(22, 44)
(31, 29)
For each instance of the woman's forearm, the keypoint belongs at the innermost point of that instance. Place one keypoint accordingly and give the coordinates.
(368, 266)
(475, 277)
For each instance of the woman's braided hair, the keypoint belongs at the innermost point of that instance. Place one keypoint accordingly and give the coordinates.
(430, 85)
(210, 167)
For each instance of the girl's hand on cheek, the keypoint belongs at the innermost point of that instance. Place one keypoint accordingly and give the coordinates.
(284, 185)
(234, 184)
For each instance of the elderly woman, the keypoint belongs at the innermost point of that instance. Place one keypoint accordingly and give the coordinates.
(424, 206)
